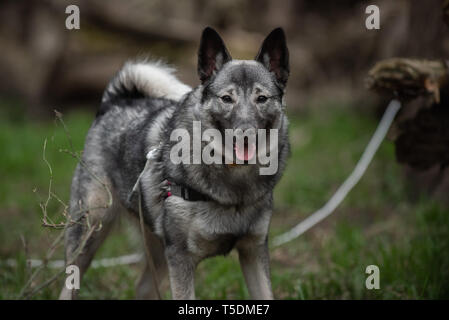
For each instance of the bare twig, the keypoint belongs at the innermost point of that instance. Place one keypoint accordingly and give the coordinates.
(26, 292)
(36, 272)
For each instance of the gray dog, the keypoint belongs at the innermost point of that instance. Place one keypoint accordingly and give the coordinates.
(191, 211)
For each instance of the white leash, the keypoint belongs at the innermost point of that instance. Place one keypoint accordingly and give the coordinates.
(350, 182)
(299, 229)
(98, 263)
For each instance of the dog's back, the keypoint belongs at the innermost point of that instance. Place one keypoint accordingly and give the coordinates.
(140, 98)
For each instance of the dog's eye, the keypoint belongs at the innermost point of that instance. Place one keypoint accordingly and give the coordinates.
(226, 99)
(261, 99)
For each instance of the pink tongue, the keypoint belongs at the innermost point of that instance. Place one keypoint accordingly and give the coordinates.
(245, 153)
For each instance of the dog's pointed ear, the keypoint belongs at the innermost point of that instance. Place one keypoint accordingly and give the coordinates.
(212, 54)
(273, 54)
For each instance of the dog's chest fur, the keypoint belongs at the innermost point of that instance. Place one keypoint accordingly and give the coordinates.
(209, 228)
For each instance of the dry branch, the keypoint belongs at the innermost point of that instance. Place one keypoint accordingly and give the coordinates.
(27, 291)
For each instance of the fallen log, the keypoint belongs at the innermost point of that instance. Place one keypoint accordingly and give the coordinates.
(421, 129)
(408, 78)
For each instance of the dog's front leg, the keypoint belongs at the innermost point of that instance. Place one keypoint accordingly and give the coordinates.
(255, 263)
(181, 270)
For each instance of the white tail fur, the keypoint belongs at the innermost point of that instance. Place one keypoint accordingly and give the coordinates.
(151, 79)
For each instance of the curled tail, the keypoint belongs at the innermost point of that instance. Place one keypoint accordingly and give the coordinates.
(138, 79)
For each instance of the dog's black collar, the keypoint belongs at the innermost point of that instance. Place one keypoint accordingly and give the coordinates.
(186, 193)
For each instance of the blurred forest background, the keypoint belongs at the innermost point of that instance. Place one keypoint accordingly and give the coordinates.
(396, 218)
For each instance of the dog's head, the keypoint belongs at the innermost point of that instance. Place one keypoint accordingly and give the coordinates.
(243, 94)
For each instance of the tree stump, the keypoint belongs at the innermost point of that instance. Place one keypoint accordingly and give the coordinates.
(421, 130)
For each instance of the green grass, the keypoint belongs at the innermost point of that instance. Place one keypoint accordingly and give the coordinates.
(379, 223)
